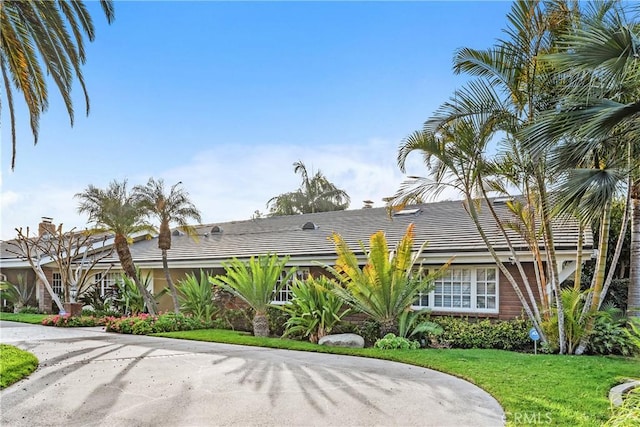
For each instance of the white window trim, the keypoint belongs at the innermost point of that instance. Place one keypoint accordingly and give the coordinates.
(300, 274)
(474, 294)
(57, 285)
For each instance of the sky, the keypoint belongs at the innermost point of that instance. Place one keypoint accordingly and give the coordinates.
(225, 97)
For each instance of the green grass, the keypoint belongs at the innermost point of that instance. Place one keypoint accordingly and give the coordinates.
(15, 364)
(549, 389)
(23, 317)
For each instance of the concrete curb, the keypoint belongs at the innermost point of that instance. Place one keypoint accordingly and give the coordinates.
(616, 394)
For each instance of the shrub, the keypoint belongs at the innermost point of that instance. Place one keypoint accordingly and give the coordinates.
(610, 334)
(505, 335)
(29, 310)
(239, 319)
(392, 342)
(416, 324)
(144, 324)
(314, 310)
(369, 330)
(76, 321)
(196, 296)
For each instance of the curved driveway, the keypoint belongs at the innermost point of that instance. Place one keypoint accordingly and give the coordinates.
(88, 377)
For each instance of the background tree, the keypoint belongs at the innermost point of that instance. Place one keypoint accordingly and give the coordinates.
(256, 282)
(117, 211)
(39, 36)
(174, 207)
(316, 194)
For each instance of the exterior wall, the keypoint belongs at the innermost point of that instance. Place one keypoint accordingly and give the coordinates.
(510, 306)
(45, 302)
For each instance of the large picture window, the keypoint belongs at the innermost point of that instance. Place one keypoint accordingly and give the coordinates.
(284, 294)
(461, 289)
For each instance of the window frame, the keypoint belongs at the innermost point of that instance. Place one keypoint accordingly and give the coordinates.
(283, 296)
(474, 269)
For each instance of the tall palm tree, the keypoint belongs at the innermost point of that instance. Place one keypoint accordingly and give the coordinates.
(117, 211)
(510, 89)
(40, 32)
(605, 52)
(256, 282)
(316, 194)
(174, 207)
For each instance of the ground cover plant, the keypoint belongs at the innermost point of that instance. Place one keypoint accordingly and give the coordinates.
(15, 364)
(556, 390)
(73, 321)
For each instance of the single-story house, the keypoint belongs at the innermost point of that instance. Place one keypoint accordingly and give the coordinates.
(472, 286)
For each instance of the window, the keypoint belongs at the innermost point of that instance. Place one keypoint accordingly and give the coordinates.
(57, 284)
(106, 282)
(463, 289)
(284, 294)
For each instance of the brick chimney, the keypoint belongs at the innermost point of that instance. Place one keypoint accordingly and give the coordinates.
(46, 226)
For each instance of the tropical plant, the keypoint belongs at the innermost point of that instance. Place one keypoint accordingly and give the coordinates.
(19, 294)
(99, 302)
(37, 33)
(511, 89)
(196, 296)
(314, 310)
(610, 334)
(117, 211)
(601, 116)
(174, 207)
(388, 283)
(316, 194)
(413, 323)
(255, 282)
(128, 299)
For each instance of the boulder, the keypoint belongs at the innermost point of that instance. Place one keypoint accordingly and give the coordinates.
(342, 340)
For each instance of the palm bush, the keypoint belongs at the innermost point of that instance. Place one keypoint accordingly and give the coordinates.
(195, 296)
(389, 282)
(314, 310)
(255, 283)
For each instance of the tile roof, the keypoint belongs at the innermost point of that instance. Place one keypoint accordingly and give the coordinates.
(445, 225)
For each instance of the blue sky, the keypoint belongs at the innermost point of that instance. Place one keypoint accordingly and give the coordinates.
(225, 96)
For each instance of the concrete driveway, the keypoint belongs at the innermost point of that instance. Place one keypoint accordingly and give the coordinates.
(88, 377)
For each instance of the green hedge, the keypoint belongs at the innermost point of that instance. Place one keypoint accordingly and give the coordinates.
(464, 333)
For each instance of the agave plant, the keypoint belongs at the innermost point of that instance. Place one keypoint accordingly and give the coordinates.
(195, 296)
(19, 293)
(255, 283)
(314, 310)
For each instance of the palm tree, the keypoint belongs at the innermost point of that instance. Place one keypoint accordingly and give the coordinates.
(117, 211)
(510, 90)
(604, 52)
(43, 32)
(316, 194)
(388, 283)
(174, 207)
(256, 282)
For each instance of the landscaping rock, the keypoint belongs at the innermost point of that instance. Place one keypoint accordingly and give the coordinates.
(342, 340)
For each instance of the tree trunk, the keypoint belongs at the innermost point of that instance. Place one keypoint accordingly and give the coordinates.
(388, 326)
(633, 301)
(122, 248)
(260, 324)
(172, 288)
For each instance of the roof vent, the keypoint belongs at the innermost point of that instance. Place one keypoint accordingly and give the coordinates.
(502, 200)
(368, 204)
(216, 229)
(309, 226)
(176, 233)
(408, 212)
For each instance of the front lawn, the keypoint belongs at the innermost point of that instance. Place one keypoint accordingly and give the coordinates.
(542, 389)
(36, 319)
(15, 364)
